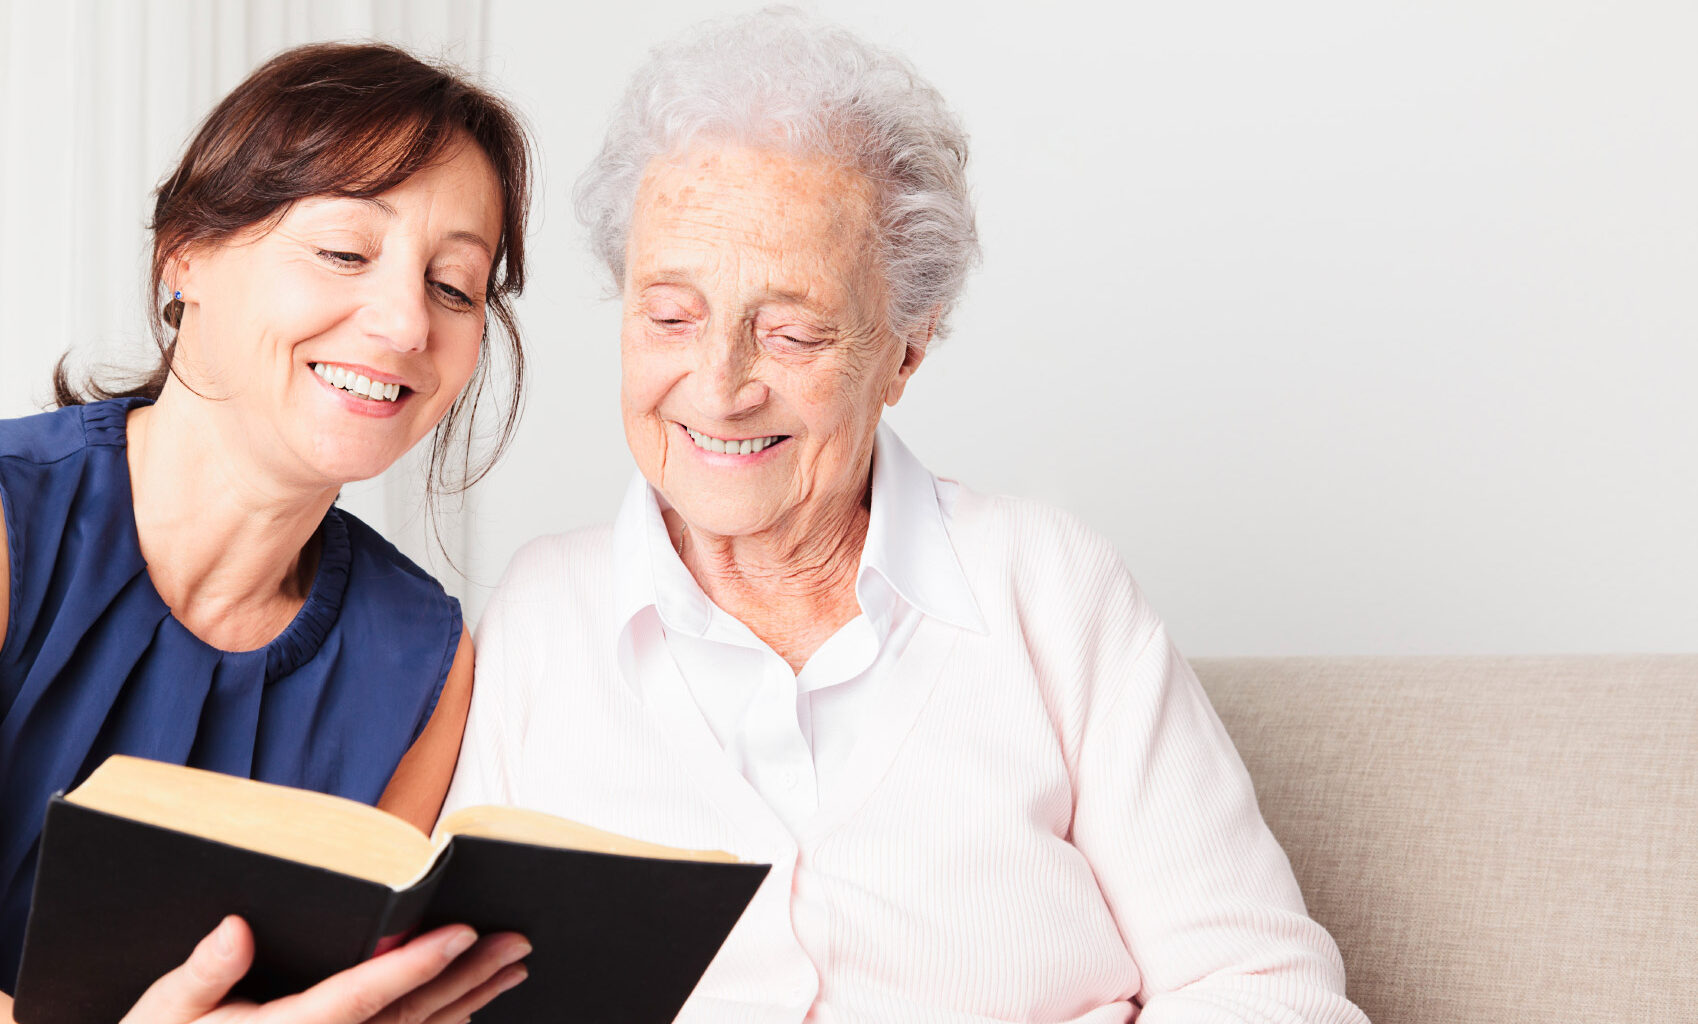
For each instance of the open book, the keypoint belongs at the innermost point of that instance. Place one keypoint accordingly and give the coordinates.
(143, 859)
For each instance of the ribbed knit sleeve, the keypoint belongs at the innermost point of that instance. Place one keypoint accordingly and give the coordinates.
(553, 588)
(495, 724)
(1201, 891)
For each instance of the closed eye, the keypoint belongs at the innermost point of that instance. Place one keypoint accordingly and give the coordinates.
(343, 258)
(454, 295)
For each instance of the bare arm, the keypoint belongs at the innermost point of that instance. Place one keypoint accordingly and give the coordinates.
(421, 981)
(420, 782)
(196, 990)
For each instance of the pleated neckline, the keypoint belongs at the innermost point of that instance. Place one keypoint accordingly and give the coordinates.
(105, 424)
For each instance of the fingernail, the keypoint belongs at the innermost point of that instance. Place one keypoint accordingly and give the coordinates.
(224, 939)
(519, 951)
(458, 943)
(511, 976)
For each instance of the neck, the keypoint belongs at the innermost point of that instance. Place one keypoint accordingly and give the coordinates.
(226, 542)
(792, 585)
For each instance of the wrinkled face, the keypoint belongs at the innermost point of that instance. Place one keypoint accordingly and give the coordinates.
(755, 356)
(341, 336)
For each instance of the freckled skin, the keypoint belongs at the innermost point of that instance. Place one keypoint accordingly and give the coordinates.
(754, 306)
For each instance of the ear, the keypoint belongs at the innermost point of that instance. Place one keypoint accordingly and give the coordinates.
(172, 274)
(913, 354)
(179, 272)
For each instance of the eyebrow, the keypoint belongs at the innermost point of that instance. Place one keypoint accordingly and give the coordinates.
(674, 277)
(470, 237)
(473, 238)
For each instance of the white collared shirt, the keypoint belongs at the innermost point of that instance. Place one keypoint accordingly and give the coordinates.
(791, 733)
(1011, 798)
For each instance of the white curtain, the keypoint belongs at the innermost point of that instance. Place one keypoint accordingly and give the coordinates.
(99, 97)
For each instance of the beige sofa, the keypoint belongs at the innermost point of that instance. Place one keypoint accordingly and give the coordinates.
(1489, 839)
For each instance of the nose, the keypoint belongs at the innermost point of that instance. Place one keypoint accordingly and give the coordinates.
(729, 372)
(397, 309)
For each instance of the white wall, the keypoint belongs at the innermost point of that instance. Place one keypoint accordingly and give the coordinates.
(1358, 327)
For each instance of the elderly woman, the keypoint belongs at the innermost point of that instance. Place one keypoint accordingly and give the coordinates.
(176, 582)
(989, 787)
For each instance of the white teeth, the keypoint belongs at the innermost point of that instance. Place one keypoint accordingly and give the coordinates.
(358, 384)
(749, 446)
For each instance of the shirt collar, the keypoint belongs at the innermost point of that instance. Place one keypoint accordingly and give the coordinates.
(647, 570)
(907, 545)
(908, 537)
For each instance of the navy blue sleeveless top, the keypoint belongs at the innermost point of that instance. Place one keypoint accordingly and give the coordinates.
(93, 663)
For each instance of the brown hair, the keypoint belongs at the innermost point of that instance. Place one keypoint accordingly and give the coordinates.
(350, 120)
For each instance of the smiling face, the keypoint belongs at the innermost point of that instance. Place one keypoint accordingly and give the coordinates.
(756, 360)
(339, 337)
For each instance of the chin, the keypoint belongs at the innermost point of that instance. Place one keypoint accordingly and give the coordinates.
(347, 462)
(722, 515)
(352, 473)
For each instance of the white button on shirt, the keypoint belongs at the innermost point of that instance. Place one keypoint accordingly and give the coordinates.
(790, 734)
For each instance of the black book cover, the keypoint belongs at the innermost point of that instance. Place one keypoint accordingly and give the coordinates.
(617, 940)
(117, 903)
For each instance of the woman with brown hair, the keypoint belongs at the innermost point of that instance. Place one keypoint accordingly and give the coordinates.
(177, 583)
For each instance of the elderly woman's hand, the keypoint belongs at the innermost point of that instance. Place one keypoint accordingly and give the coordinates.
(438, 978)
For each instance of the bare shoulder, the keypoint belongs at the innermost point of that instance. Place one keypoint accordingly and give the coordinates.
(420, 782)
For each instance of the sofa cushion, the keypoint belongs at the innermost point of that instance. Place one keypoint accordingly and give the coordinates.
(1487, 839)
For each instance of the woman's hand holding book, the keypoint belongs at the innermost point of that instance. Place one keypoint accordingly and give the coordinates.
(438, 978)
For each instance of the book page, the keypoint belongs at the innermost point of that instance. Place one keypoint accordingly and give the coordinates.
(518, 825)
(296, 824)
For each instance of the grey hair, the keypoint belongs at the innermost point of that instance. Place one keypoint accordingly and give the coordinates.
(785, 79)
